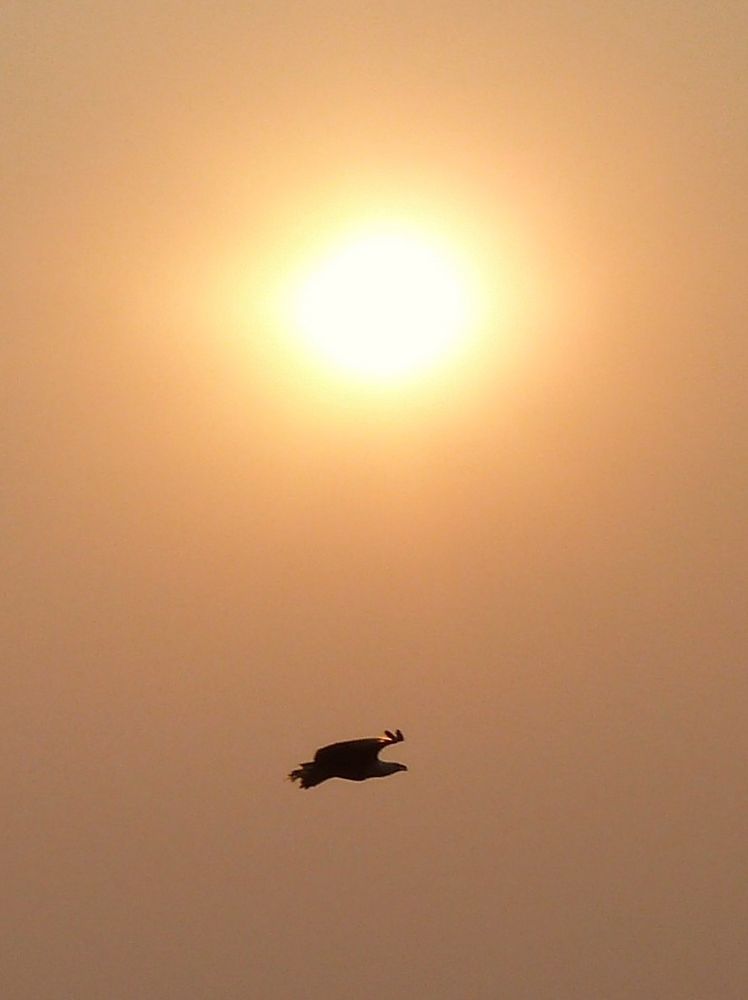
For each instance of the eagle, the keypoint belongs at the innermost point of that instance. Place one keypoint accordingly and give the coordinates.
(355, 760)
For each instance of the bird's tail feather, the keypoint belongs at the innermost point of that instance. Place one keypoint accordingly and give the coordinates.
(307, 775)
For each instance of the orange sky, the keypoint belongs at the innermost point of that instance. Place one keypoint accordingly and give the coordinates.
(214, 565)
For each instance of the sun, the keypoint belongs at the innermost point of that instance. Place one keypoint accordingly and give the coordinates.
(384, 305)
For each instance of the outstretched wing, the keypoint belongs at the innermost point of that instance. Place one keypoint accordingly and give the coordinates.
(356, 750)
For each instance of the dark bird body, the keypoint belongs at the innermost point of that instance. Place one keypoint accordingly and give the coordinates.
(354, 760)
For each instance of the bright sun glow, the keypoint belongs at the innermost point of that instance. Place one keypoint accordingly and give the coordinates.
(384, 305)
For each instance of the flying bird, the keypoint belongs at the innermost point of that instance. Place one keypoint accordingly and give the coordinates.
(355, 760)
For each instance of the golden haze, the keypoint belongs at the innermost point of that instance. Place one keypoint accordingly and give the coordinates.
(219, 553)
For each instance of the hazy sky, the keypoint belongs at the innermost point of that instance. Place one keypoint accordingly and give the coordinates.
(214, 564)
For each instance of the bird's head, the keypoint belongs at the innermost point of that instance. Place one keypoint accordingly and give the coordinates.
(386, 767)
